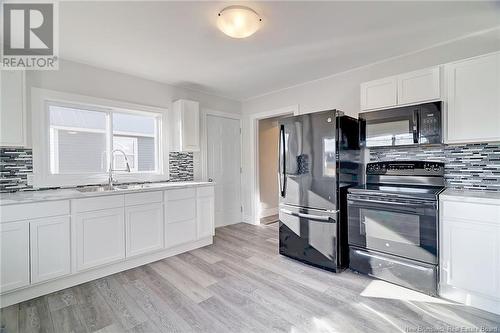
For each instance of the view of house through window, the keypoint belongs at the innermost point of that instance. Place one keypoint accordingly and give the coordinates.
(81, 140)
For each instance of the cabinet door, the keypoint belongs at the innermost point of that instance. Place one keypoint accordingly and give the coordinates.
(473, 87)
(190, 126)
(12, 111)
(471, 256)
(379, 93)
(50, 248)
(180, 219)
(144, 228)
(100, 237)
(14, 245)
(419, 86)
(205, 213)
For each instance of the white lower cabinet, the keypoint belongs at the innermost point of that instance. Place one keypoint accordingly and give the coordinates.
(50, 248)
(144, 228)
(49, 245)
(470, 254)
(100, 237)
(180, 216)
(205, 212)
(14, 246)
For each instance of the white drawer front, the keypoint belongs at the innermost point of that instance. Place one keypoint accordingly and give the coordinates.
(180, 210)
(34, 210)
(143, 198)
(181, 232)
(206, 191)
(97, 203)
(182, 193)
(471, 211)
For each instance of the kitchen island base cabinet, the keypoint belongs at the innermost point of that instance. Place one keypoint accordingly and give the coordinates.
(14, 244)
(50, 248)
(100, 238)
(144, 228)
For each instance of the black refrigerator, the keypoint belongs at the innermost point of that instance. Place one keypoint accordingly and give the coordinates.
(318, 160)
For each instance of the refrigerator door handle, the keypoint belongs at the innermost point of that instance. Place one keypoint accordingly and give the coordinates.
(282, 162)
(306, 216)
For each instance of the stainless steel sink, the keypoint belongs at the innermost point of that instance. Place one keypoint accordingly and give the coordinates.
(103, 188)
(106, 188)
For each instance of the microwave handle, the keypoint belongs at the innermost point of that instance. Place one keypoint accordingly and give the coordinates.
(416, 125)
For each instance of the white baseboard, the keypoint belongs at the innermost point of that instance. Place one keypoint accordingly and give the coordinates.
(268, 212)
(44, 288)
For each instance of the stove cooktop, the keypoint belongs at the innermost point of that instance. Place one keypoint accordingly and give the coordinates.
(407, 191)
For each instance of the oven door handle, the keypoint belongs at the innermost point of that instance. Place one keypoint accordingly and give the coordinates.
(307, 216)
(407, 204)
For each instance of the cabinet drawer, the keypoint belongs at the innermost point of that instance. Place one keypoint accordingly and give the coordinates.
(182, 193)
(34, 210)
(97, 203)
(143, 198)
(206, 191)
(180, 210)
(180, 232)
(471, 211)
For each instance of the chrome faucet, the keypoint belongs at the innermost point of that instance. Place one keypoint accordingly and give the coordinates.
(111, 181)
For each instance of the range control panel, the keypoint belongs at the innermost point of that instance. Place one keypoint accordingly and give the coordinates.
(406, 168)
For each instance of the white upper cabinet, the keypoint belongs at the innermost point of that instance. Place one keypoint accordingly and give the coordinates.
(419, 86)
(379, 93)
(473, 96)
(404, 89)
(12, 109)
(185, 126)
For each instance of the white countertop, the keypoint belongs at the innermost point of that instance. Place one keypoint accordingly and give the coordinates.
(73, 193)
(485, 197)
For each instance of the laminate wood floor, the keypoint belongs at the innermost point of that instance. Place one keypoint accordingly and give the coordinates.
(240, 284)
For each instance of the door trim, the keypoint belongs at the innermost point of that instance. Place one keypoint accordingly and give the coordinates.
(253, 210)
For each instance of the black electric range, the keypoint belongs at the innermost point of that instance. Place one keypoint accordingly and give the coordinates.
(393, 223)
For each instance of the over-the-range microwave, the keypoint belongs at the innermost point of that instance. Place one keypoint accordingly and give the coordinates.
(402, 126)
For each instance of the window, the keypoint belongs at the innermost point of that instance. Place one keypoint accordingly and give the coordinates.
(79, 140)
(76, 137)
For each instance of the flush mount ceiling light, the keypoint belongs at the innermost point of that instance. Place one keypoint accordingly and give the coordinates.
(238, 21)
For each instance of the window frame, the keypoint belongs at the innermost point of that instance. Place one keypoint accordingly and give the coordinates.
(41, 99)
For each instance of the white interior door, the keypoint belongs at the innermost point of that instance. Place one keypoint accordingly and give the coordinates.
(223, 166)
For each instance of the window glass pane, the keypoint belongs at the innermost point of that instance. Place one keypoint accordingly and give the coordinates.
(136, 136)
(131, 123)
(129, 146)
(77, 140)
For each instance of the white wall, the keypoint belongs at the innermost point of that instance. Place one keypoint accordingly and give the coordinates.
(268, 166)
(91, 81)
(342, 92)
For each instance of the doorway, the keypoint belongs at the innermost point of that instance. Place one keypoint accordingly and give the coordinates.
(224, 167)
(268, 170)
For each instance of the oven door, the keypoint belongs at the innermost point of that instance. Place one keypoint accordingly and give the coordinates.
(406, 228)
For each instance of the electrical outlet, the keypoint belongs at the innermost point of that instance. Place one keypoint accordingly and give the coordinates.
(29, 179)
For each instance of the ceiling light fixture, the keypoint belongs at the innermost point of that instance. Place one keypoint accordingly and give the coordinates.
(238, 21)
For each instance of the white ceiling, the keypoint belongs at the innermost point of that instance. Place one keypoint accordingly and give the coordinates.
(178, 42)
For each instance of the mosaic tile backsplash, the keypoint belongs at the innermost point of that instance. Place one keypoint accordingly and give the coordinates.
(17, 163)
(469, 166)
(181, 166)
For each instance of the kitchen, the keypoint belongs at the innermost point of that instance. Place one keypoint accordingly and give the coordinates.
(130, 206)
